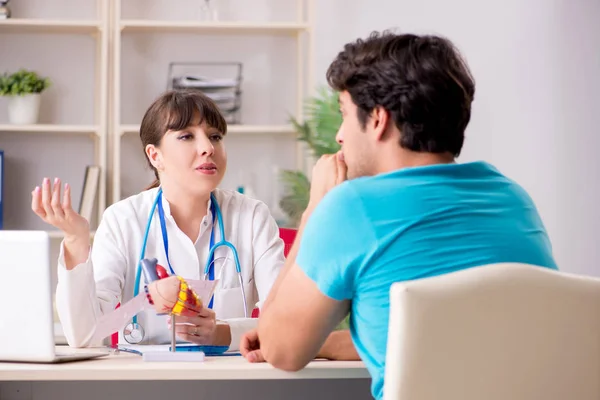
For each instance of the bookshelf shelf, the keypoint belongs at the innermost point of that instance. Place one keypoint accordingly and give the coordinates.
(17, 25)
(51, 128)
(234, 27)
(233, 129)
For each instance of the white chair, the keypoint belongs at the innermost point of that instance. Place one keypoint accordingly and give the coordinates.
(496, 332)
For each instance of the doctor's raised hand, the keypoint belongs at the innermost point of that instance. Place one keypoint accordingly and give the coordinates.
(192, 227)
(47, 203)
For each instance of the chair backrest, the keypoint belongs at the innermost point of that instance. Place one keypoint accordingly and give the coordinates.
(503, 331)
(288, 235)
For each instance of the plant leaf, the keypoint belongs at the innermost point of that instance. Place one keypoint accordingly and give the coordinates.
(322, 120)
(296, 195)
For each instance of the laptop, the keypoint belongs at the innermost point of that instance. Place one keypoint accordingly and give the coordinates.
(26, 312)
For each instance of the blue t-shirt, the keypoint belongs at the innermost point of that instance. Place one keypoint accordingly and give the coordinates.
(413, 223)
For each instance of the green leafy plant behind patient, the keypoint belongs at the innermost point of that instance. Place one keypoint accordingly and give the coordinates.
(322, 119)
(318, 130)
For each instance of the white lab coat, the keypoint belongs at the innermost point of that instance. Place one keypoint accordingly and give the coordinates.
(94, 288)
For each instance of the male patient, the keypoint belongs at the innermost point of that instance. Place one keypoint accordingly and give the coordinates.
(407, 211)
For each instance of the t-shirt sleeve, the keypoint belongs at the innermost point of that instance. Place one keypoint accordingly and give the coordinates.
(335, 241)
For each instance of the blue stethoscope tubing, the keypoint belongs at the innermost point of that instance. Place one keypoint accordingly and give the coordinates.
(209, 267)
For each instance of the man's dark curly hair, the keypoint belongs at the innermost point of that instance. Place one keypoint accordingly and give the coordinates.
(422, 81)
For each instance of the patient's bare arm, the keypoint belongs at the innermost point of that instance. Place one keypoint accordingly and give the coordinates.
(339, 346)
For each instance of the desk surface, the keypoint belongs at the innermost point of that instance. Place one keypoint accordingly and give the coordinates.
(127, 366)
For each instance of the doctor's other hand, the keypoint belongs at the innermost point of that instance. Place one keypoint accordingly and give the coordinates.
(250, 347)
(329, 171)
(46, 203)
(202, 329)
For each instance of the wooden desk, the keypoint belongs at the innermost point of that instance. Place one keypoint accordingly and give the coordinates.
(130, 377)
(127, 366)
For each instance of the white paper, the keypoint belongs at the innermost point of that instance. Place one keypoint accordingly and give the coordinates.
(204, 289)
(116, 320)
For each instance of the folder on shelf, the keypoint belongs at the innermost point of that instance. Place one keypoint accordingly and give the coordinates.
(203, 82)
(89, 191)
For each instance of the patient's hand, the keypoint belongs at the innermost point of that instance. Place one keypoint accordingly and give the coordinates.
(250, 347)
(173, 295)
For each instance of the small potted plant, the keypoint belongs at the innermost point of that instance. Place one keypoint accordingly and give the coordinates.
(23, 89)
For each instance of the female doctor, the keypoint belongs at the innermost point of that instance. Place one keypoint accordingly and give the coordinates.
(182, 134)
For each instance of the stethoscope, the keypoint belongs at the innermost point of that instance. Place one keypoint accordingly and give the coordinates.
(133, 332)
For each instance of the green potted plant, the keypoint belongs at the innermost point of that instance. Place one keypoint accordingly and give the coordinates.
(23, 89)
(322, 119)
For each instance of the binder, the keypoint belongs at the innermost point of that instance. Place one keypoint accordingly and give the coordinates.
(1, 189)
(89, 192)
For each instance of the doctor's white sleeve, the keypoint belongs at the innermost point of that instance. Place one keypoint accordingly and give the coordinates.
(268, 262)
(94, 287)
(239, 326)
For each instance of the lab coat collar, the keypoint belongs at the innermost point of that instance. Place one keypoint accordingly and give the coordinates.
(167, 208)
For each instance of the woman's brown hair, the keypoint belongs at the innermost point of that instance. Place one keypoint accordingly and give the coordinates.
(176, 110)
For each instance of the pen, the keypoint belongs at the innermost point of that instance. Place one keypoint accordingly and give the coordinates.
(117, 350)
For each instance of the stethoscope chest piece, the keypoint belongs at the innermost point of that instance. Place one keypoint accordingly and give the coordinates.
(133, 333)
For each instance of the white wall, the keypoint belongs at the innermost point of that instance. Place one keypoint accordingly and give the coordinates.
(535, 115)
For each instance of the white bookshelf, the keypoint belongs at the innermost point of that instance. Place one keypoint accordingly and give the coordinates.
(97, 131)
(107, 28)
(301, 29)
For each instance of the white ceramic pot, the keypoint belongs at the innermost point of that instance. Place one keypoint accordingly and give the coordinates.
(24, 110)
